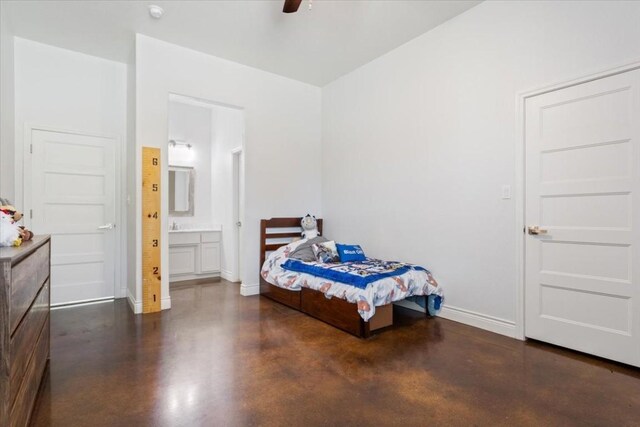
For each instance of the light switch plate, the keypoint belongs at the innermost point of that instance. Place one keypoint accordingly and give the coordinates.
(506, 192)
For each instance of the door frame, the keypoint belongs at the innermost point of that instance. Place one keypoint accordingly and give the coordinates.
(240, 150)
(120, 261)
(520, 177)
(238, 205)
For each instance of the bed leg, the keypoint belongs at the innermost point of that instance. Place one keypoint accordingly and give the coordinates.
(365, 331)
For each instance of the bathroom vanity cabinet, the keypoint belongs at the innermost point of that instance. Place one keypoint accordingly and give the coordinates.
(194, 254)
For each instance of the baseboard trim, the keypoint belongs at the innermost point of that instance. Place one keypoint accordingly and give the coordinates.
(193, 282)
(248, 290)
(136, 306)
(471, 318)
(83, 303)
(228, 276)
(182, 277)
(479, 320)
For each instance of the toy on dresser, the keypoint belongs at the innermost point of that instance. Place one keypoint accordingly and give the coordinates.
(11, 234)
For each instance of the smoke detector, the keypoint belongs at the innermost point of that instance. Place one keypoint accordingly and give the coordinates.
(156, 11)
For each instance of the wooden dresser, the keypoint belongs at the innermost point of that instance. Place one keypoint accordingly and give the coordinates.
(24, 327)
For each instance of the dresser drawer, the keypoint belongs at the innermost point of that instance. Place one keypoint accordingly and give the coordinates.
(24, 341)
(26, 279)
(28, 390)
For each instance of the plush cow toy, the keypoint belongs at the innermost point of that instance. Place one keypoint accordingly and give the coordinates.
(309, 227)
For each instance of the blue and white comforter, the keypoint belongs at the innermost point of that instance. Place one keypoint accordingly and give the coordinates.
(413, 281)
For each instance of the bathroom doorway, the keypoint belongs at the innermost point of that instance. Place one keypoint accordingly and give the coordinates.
(238, 205)
(206, 189)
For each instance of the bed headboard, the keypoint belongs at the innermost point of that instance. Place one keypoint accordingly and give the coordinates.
(277, 232)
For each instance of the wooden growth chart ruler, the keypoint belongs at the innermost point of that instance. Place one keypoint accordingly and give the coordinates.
(151, 291)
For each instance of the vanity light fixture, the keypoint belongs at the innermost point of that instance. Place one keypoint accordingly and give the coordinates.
(174, 143)
(156, 11)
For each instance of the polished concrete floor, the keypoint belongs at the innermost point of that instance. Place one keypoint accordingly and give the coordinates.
(218, 359)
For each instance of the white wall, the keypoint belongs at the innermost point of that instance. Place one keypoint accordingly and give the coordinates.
(227, 131)
(6, 107)
(131, 234)
(192, 124)
(417, 143)
(62, 89)
(282, 148)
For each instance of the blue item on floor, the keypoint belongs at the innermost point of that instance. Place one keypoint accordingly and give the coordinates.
(434, 304)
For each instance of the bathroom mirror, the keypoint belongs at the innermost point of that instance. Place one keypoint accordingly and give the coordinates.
(181, 180)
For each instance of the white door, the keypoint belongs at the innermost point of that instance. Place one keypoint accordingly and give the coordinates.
(582, 277)
(73, 199)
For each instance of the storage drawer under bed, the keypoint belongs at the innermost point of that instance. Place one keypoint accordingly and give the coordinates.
(343, 314)
(283, 296)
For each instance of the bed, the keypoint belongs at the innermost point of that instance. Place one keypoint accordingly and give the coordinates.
(329, 301)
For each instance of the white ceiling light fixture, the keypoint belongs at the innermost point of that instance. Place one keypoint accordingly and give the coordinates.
(156, 11)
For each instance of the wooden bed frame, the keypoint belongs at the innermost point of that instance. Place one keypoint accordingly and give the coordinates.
(335, 311)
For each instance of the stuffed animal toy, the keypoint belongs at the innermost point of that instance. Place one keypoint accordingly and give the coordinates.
(309, 227)
(15, 216)
(11, 211)
(9, 231)
(26, 234)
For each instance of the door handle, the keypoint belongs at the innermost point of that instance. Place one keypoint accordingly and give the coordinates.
(108, 226)
(535, 230)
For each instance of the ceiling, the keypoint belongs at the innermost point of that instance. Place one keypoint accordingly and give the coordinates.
(314, 46)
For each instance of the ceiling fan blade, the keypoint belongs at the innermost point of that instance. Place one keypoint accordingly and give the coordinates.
(291, 6)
